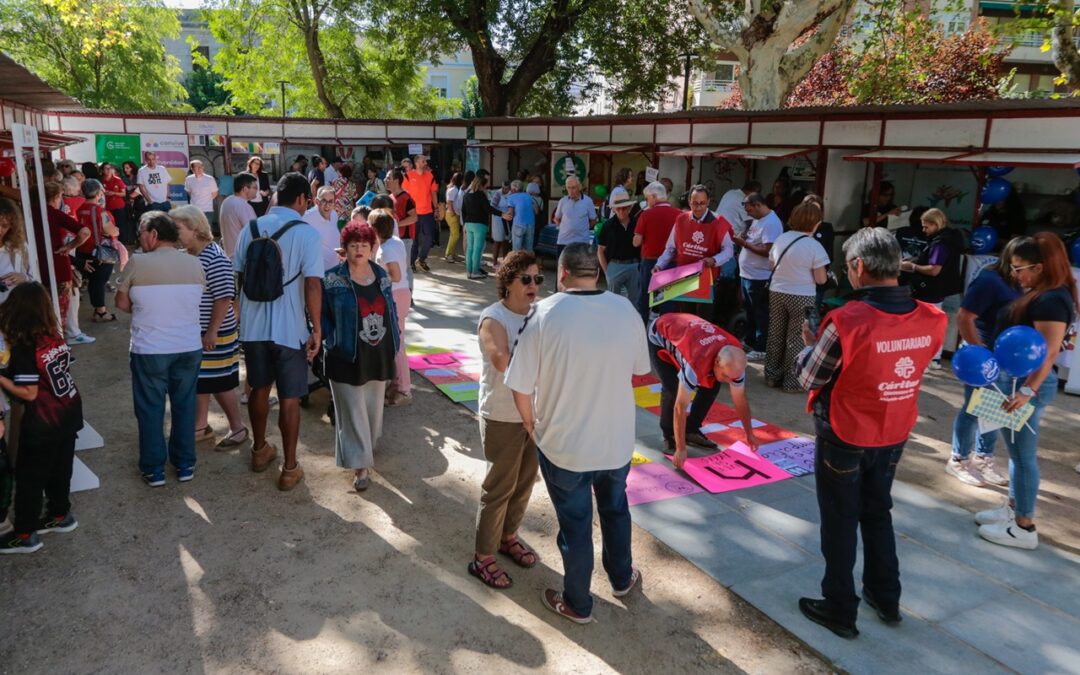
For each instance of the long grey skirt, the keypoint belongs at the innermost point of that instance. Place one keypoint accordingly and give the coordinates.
(359, 415)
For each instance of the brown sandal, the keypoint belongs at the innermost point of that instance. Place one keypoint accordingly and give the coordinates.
(517, 550)
(482, 570)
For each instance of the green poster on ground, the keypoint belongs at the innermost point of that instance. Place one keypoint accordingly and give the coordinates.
(118, 148)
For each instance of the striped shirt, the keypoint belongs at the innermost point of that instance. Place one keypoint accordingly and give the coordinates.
(220, 285)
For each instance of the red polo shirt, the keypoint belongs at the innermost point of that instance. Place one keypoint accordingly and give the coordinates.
(654, 225)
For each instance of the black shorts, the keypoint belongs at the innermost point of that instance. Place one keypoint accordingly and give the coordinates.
(270, 363)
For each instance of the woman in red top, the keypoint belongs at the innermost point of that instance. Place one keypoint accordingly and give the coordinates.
(96, 218)
(116, 199)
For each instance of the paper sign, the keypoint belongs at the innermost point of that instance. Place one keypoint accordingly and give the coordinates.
(986, 404)
(638, 458)
(441, 360)
(643, 380)
(667, 277)
(652, 482)
(568, 166)
(754, 424)
(712, 428)
(721, 413)
(766, 433)
(651, 175)
(413, 350)
(676, 290)
(985, 426)
(727, 470)
(794, 455)
(460, 391)
(416, 148)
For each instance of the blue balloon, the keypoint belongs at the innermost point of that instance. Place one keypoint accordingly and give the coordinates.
(983, 239)
(975, 366)
(1074, 252)
(1020, 350)
(995, 190)
(996, 171)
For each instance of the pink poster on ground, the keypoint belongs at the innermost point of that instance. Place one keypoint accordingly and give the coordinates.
(732, 470)
(652, 482)
(444, 360)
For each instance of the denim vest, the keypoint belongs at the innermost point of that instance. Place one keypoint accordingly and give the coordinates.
(340, 312)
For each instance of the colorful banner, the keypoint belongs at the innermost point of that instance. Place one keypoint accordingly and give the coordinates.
(207, 140)
(172, 153)
(117, 149)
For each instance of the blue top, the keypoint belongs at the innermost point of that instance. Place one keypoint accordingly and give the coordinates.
(282, 321)
(523, 204)
(986, 297)
(574, 216)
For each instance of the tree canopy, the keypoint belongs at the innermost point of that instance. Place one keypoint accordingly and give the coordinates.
(107, 53)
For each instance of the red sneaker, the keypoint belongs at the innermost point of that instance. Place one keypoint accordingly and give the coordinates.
(553, 600)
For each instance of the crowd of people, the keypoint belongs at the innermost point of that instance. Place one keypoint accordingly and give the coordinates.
(310, 282)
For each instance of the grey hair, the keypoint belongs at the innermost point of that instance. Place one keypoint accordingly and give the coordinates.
(91, 188)
(326, 189)
(580, 260)
(572, 178)
(516, 185)
(878, 249)
(71, 185)
(656, 189)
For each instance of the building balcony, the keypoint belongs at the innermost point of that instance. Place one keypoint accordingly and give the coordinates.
(710, 93)
(1028, 49)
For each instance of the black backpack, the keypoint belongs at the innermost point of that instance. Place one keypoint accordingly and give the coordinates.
(264, 273)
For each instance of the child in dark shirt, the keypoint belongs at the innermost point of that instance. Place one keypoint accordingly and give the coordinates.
(38, 376)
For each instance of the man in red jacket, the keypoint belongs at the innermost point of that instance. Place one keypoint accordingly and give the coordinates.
(864, 370)
(651, 234)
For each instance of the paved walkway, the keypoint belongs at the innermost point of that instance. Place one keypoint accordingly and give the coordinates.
(968, 605)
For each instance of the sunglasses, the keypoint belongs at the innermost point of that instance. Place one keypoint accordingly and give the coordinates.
(1016, 269)
(527, 279)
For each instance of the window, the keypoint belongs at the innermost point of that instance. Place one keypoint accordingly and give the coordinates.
(725, 72)
(441, 84)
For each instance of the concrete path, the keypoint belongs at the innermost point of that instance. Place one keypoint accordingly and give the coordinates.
(968, 605)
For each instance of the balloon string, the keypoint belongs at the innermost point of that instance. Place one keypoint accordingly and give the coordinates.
(1013, 431)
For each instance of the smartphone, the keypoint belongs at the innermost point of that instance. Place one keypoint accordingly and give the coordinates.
(813, 319)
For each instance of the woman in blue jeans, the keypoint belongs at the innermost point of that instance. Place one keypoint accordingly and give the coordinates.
(1049, 304)
(990, 292)
(476, 210)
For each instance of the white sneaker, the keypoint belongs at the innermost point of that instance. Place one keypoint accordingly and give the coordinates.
(1010, 534)
(81, 339)
(755, 356)
(963, 471)
(985, 466)
(1002, 514)
(935, 364)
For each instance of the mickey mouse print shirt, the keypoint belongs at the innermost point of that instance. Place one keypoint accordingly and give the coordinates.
(374, 342)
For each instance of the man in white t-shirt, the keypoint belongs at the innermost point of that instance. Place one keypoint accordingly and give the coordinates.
(324, 219)
(755, 271)
(333, 170)
(731, 208)
(202, 189)
(154, 182)
(236, 211)
(575, 397)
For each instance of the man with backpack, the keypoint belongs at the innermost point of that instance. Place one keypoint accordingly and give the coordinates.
(279, 258)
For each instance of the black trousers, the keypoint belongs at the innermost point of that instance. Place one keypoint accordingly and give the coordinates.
(669, 380)
(43, 466)
(853, 491)
(97, 280)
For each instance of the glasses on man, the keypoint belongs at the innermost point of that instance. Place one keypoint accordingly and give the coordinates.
(326, 200)
(527, 279)
(851, 263)
(1016, 269)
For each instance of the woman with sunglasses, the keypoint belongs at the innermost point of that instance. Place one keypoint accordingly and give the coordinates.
(508, 446)
(1048, 304)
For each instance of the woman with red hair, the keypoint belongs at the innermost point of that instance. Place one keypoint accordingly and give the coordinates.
(1048, 304)
(360, 339)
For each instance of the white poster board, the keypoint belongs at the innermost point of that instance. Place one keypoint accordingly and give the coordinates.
(25, 139)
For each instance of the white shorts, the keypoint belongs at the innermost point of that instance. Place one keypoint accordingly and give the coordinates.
(498, 229)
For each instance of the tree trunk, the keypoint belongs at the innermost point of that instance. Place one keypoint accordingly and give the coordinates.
(318, 72)
(1066, 55)
(769, 66)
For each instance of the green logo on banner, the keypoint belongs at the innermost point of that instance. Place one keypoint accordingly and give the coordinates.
(567, 166)
(118, 148)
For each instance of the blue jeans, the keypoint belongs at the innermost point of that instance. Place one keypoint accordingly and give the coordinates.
(425, 236)
(756, 298)
(475, 239)
(645, 268)
(623, 279)
(1022, 446)
(571, 493)
(521, 237)
(153, 377)
(966, 433)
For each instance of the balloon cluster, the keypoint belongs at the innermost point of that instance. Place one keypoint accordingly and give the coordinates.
(983, 239)
(1074, 252)
(1018, 351)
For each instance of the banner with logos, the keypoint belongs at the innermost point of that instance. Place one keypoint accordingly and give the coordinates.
(117, 149)
(172, 153)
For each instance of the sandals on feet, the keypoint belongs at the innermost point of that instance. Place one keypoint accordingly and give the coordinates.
(233, 440)
(204, 434)
(103, 317)
(522, 555)
(488, 571)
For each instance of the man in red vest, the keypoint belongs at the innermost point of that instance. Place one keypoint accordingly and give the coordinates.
(692, 357)
(864, 370)
(698, 235)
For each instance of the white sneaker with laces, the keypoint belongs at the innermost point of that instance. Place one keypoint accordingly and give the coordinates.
(755, 356)
(985, 466)
(81, 339)
(1002, 514)
(1010, 534)
(963, 471)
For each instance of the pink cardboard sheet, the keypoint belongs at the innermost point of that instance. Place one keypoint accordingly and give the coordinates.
(651, 482)
(669, 276)
(445, 360)
(732, 470)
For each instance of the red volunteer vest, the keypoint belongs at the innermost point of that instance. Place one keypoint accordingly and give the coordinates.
(694, 240)
(91, 216)
(697, 341)
(875, 400)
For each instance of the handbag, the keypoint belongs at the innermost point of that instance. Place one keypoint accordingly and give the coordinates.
(830, 281)
(768, 282)
(106, 254)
